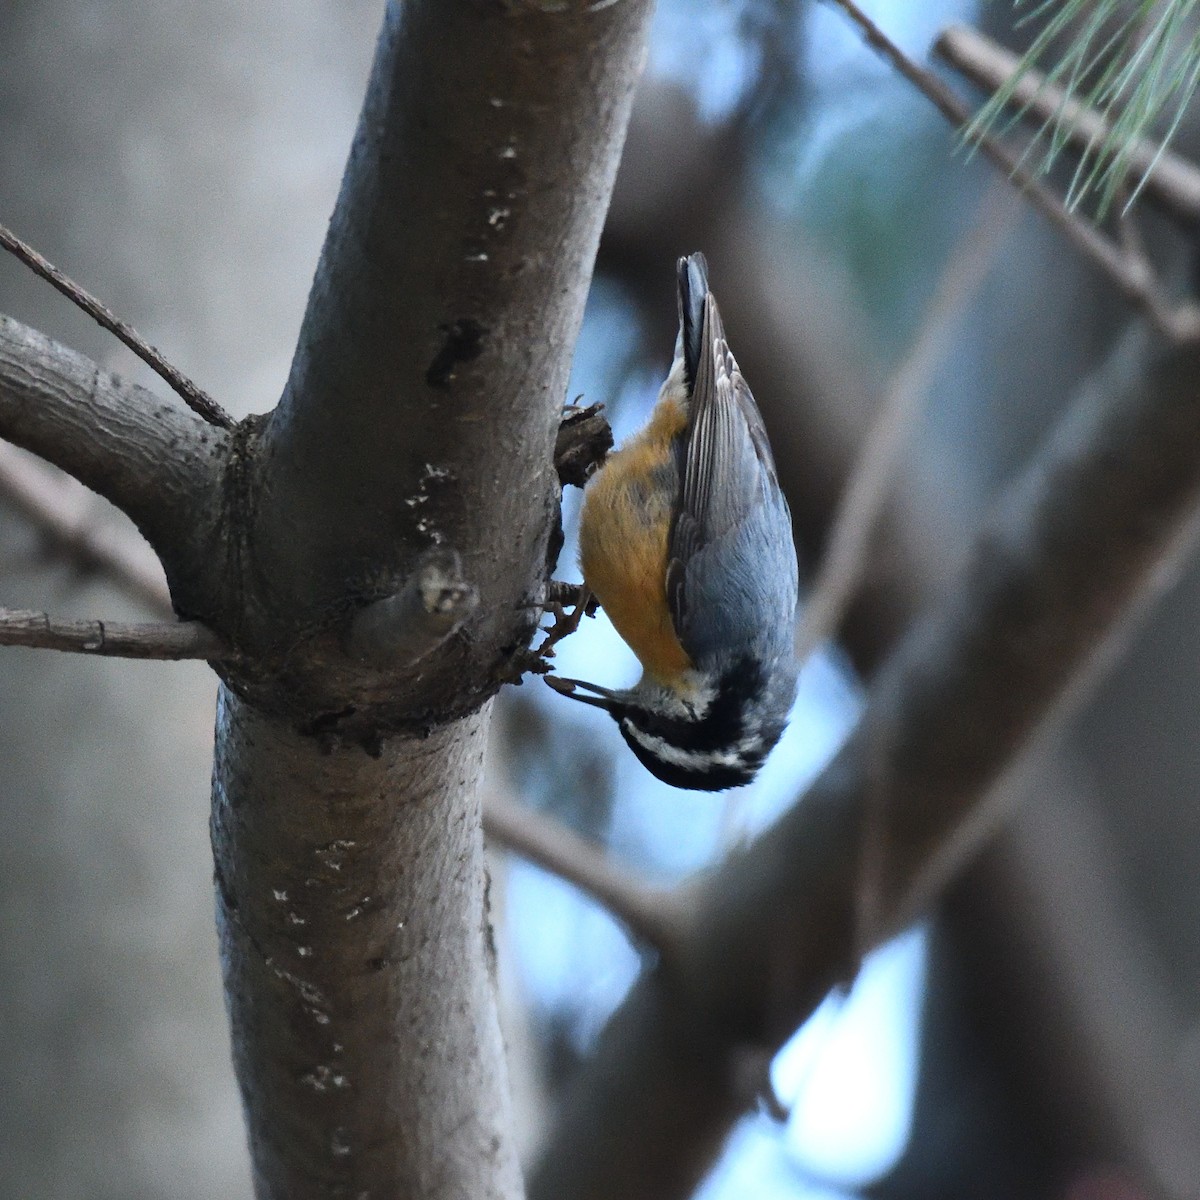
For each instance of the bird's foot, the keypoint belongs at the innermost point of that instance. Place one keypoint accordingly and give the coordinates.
(560, 597)
(560, 594)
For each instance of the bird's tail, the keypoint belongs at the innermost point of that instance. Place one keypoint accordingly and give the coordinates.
(693, 290)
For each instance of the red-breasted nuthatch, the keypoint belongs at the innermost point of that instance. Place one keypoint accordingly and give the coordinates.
(686, 541)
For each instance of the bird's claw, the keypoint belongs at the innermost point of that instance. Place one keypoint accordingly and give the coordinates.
(557, 599)
(560, 596)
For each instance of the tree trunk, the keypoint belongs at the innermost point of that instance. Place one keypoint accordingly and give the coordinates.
(351, 906)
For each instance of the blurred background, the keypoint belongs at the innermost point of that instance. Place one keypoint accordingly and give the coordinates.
(1038, 1035)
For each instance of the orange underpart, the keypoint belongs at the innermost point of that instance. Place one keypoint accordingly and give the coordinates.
(623, 542)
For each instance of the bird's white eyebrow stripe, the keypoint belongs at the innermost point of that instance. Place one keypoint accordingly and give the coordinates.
(734, 756)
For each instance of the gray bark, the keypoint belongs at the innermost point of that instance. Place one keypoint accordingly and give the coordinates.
(351, 914)
(154, 459)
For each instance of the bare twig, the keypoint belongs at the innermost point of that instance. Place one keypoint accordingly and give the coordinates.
(845, 557)
(1178, 323)
(198, 400)
(68, 527)
(113, 639)
(648, 913)
(1171, 182)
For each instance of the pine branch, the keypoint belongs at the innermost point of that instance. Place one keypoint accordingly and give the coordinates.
(1141, 289)
(1167, 180)
(1128, 63)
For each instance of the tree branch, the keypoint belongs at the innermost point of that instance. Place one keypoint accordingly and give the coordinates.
(1171, 182)
(112, 639)
(158, 463)
(1096, 519)
(421, 413)
(650, 914)
(397, 393)
(365, 1033)
(71, 530)
(198, 400)
(426, 390)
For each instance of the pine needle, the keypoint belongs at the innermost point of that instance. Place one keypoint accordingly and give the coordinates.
(1130, 60)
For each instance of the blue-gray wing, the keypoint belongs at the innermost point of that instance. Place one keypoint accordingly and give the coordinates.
(731, 579)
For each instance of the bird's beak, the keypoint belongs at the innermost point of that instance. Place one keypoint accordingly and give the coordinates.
(603, 697)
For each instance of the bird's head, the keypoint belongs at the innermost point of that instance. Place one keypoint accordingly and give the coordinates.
(703, 734)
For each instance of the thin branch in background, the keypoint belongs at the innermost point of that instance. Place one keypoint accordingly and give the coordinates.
(67, 525)
(648, 913)
(198, 400)
(114, 639)
(1179, 323)
(846, 555)
(928, 879)
(1170, 182)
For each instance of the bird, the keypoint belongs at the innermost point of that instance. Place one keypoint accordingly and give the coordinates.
(686, 542)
